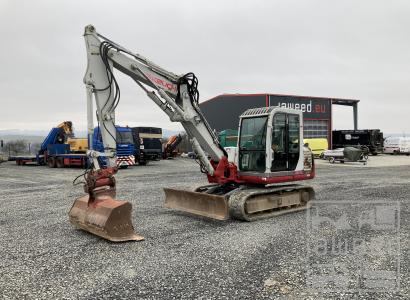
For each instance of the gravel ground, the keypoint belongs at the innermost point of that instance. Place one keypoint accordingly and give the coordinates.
(353, 242)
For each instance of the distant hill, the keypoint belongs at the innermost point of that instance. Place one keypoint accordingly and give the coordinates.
(28, 138)
(37, 136)
(396, 134)
(20, 132)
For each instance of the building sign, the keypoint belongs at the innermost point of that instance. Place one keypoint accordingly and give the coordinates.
(312, 108)
(222, 112)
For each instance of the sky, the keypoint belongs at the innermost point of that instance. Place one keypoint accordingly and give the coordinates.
(357, 49)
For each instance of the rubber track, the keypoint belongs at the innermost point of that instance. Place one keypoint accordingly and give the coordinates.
(237, 202)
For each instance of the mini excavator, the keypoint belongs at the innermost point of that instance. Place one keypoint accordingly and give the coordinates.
(262, 183)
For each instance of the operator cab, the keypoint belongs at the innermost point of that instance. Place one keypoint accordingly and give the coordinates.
(270, 141)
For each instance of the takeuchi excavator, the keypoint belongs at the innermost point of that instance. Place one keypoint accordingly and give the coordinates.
(260, 184)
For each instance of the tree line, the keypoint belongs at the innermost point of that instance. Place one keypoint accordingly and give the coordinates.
(19, 147)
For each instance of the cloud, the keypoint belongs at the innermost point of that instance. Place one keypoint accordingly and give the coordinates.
(347, 49)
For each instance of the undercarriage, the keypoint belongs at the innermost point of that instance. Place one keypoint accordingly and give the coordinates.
(241, 202)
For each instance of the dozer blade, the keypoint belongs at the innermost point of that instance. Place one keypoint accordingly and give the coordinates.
(202, 204)
(104, 217)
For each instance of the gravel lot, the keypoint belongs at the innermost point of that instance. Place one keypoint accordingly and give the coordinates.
(331, 251)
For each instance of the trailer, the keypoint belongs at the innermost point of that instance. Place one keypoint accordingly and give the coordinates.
(347, 154)
(148, 143)
(54, 161)
(56, 156)
(25, 159)
(371, 139)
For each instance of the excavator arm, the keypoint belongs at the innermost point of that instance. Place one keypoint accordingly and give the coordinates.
(99, 212)
(175, 95)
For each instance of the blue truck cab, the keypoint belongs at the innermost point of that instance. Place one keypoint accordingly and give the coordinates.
(125, 145)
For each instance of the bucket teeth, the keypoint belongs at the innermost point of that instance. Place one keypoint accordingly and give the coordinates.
(104, 217)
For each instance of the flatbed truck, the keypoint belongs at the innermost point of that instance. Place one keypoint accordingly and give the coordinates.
(56, 156)
(55, 152)
(60, 149)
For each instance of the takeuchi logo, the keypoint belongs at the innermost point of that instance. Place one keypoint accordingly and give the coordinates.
(305, 107)
(163, 83)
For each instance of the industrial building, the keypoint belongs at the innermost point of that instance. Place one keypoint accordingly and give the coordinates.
(223, 111)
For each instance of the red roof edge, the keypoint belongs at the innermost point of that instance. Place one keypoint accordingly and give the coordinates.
(286, 95)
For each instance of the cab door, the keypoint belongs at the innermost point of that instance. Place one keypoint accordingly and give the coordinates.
(285, 143)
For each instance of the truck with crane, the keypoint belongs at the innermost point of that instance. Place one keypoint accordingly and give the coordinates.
(171, 145)
(260, 184)
(59, 149)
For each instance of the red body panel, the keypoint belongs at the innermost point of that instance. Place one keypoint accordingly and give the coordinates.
(277, 179)
(226, 172)
(74, 162)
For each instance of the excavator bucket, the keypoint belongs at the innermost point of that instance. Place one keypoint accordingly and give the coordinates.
(104, 217)
(202, 204)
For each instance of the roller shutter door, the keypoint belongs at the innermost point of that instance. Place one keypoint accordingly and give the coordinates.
(315, 129)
